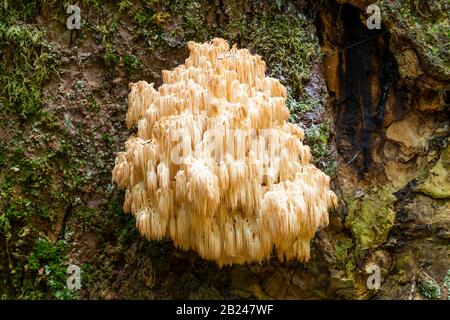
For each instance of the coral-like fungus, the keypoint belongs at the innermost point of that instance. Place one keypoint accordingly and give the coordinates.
(215, 165)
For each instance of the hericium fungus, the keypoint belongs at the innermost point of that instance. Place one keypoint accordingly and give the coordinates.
(215, 165)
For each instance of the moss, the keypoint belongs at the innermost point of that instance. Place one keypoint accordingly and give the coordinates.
(370, 218)
(2, 156)
(286, 42)
(87, 272)
(342, 249)
(346, 274)
(168, 24)
(425, 25)
(111, 221)
(131, 64)
(48, 261)
(92, 103)
(15, 211)
(299, 108)
(26, 62)
(110, 57)
(317, 136)
(437, 182)
(106, 138)
(33, 196)
(430, 289)
(404, 265)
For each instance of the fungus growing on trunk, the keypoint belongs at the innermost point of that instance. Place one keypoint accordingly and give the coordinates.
(215, 165)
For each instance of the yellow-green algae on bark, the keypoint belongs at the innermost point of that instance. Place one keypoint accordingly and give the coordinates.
(437, 183)
(371, 217)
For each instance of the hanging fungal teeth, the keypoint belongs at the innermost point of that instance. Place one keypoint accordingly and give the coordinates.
(215, 165)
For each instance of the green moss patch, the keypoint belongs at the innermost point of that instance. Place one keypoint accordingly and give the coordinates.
(370, 218)
(26, 59)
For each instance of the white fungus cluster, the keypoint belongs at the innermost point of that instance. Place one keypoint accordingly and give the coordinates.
(215, 165)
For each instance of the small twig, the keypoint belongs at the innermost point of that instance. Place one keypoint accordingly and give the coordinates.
(356, 44)
(353, 159)
(418, 10)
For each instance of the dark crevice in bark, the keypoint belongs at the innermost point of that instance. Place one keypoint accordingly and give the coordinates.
(6, 258)
(358, 118)
(66, 216)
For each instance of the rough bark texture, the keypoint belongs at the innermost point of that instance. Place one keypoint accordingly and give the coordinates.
(377, 115)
